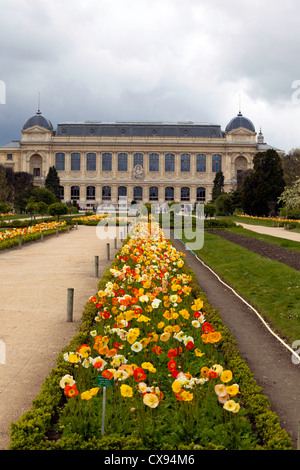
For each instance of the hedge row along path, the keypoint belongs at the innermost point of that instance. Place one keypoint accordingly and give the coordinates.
(269, 361)
(33, 311)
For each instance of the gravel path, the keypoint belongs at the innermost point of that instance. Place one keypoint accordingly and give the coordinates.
(33, 311)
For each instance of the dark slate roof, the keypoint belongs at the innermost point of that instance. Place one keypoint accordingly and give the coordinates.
(138, 129)
(38, 120)
(240, 121)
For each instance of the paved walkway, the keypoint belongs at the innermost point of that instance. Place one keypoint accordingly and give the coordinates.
(274, 231)
(33, 311)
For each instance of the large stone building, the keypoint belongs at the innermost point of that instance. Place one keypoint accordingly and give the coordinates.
(146, 161)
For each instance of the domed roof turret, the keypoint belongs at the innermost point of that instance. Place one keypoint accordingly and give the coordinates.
(240, 121)
(38, 120)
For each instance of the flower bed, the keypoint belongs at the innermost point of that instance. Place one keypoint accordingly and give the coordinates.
(278, 220)
(96, 219)
(10, 237)
(174, 378)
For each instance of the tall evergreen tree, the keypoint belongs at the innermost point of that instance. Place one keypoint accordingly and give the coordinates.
(218, 187)
(52, 182)
(263, 185)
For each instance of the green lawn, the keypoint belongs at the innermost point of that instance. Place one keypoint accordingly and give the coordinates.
(271, 287)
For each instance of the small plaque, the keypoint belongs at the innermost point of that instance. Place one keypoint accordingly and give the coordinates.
(104, 382)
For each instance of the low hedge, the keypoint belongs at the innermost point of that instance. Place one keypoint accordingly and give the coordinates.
(35, 430)
(27, 238)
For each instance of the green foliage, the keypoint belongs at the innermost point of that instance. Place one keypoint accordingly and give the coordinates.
(218, 187)
(263, 185)
(58, 209)
(52, 182)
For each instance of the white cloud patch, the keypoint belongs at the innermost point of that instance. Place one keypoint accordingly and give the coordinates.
(151, 60)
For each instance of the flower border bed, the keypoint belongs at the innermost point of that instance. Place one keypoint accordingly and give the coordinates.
(28, 238)
(33, 429)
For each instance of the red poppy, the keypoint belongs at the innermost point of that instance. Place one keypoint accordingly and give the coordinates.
(157, 349)
(189, 345)
(175, 372)
(107, 374)
(212, 374)
(139, 374)
(207, 328)
(197, 314)
(172, 365)
(71, 390)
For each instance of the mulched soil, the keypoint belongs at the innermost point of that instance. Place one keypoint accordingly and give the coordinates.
(268, 250)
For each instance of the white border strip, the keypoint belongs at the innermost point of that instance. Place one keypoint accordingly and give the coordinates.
(243, 300)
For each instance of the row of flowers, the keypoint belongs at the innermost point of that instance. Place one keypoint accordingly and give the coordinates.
(151, 340)
(42, 227)
(271, 219)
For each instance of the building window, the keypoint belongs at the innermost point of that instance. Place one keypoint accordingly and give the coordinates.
(91, 162)
(138, 159)
(122, 191)
(90, 192)
(61, 192)
(138, 193)
(185, 162)
(201, 163)
(201, 194)
(106, 193)
(169, 193)
(216, 163)
(185, 194)
(154, 162)
(106, 162)
(122, 162)
(153, 193)
(36, 172)
(9, 156)
(75, 161)
(75, 193)
(169, 162)
(60, 161)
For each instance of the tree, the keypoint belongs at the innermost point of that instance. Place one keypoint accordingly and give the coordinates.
(225, 204)
(263, 185)
(58, 208)
(291, 196)
(218, 187)
(4, 187)
(23, 185)
(42, 194)
(52, 182)
(291, 166)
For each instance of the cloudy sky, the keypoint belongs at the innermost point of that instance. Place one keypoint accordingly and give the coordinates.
(152, 60)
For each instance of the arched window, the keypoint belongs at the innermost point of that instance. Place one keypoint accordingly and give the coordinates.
(60, 161)
(185, 162)
(138, 159)
(153, 162)
(90, 192)
(138, 193)
(122, 162)
(61, 192)
(169, 193)
(91, 162)
(169, 162)
(106, 193)
(201, 194)
(153, 193)
(122, 191)
(185, 194)
(75, 161)
(201, 162)
(75, 193)
(216, 163)
(106, 162)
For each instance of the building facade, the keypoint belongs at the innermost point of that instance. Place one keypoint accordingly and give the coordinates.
(97, 162)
